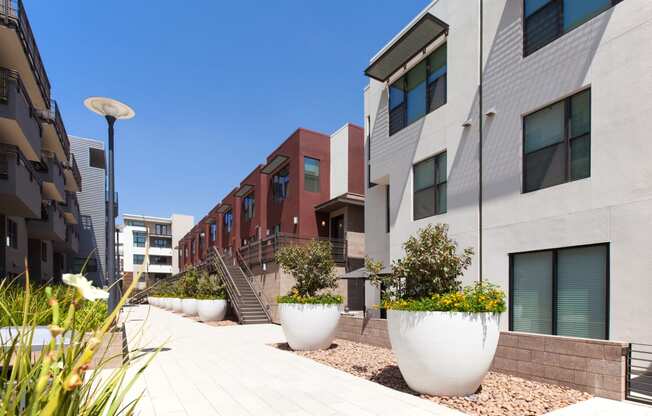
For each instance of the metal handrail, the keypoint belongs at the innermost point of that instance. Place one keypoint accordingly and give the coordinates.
(5, 74)
(249, 278)
(20, 158)
(231, 287)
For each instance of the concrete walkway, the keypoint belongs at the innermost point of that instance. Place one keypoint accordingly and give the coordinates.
(232, 371)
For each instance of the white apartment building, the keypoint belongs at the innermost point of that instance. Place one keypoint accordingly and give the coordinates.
(566, 93)
(150, 244)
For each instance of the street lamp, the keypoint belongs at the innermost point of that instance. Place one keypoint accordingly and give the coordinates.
(111, 110)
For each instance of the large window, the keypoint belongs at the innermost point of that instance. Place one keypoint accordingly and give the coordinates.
(280, 182)
(139, 259)
(228, 221)
(12, 234)
(557, 143)
(139, 238)
(430, 184)
(310, 174)
(160, 260)
(213, 232)
(248, 206)
(546, 20)
(561, 292)
(160, 242)
(421, 90)
(96, 158)
(162, 229)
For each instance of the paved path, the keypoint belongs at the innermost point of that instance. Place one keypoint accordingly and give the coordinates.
(231, 371)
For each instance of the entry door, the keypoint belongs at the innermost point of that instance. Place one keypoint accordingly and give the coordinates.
(337, 227)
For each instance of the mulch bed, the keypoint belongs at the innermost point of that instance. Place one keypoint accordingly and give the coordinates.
(500, 394)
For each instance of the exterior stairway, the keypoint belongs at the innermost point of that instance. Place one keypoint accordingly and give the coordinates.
(248, 307)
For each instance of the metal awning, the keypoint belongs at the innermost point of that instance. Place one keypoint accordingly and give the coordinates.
(341, 201)
(244, 190)
(274, 164)
(224, 208)
(362, 273)
(423, 32)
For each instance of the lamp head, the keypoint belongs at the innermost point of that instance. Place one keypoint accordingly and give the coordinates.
(109, 107)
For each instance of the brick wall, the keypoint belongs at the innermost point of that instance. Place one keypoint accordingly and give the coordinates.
(593, 366)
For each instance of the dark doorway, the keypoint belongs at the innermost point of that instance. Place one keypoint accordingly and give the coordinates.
(337, 227)
(34, 259)
(355, 294)
(57, 266)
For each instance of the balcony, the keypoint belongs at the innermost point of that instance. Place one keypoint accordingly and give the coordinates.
(72, 175)
(71, 208)
(51, 226)
(20, 189)
(55, 137)
(19, 122)
(50, 172)
(18, 50)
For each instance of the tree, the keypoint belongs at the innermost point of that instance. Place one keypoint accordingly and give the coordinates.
(311, 265)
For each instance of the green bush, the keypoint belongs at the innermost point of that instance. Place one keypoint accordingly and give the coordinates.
(210, 286)
(187, 285)
(326, 299)
(313, 268)
(427, 278)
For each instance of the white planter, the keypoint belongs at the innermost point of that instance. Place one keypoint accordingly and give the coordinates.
(211, 309)
(165, 303)
(176, 304)
(443, 353)
(189, 307)
(309, 327)
(150, 300)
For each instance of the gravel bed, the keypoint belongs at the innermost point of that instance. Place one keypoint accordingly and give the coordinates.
(500, 394)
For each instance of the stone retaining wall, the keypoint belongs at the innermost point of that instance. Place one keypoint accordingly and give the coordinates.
(593, 366)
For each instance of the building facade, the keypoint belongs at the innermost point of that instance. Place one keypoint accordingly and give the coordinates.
(93, 209)
(150, 244)
(39, 177)
(560, 104)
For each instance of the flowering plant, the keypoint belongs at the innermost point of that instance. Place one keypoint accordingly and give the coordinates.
(479, 297)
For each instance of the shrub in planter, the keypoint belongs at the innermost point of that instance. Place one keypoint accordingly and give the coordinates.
(211, 298)
(444, 338)
(309, 315)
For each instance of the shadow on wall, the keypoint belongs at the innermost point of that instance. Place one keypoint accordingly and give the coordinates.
(87, 239)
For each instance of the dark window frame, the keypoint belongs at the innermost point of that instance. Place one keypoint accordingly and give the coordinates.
(96, 158)
(249, 207)
(12, 234)
(560, 29)
(554, 251)
(137, 241)
(387, 209)
(212, 232)
(228, 221)
(566, 141)
(306, 174)
(437, 160)
(400, 111)
(281, 184)
(140, 257)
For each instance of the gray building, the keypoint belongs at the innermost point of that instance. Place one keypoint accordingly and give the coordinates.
(92, 206)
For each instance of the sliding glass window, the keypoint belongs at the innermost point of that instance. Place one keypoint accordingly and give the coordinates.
(430, 183)
(557, 143)
(561, 292)
(310, 174)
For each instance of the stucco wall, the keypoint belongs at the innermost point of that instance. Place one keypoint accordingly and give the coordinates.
(612, 206)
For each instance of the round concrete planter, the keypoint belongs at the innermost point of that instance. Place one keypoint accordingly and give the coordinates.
(150, 300)
(189, 307)
(443, 353)
(166, 303)
(309, 327)
(176, 304)
(211, 309)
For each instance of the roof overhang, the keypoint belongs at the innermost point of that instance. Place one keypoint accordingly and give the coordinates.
(244, 190)
(415, 39)
(362, 273)
(348, 199)
(276, 162)
(224, 208)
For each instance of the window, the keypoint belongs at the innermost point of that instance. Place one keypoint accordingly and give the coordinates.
(213, 232)
(162, 229)
(228, 221)
(44, 251)
(200, 240)
(430, 187)
(160, 260)
(160, 242)
(139, 259)
(192, 247)
(96, 158)
(133, 223)
(248, 205)
(560, 292)
(421, 90)
(546, 20)
(310, 174)
(12, 234)
(185, 251)
(557, 143)
(140, 238)
(280, 183)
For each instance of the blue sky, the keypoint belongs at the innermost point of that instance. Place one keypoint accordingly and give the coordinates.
(216, 85)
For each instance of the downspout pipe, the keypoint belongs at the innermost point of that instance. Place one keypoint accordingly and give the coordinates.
(480, 138)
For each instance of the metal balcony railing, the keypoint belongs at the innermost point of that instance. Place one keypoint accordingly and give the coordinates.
(5, 150)
(12, 13)
(7, 75)
(74, 168)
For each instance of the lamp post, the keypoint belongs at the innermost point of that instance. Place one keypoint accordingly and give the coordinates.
(111, 110)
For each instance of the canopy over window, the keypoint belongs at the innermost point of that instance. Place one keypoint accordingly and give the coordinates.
(423, 32)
